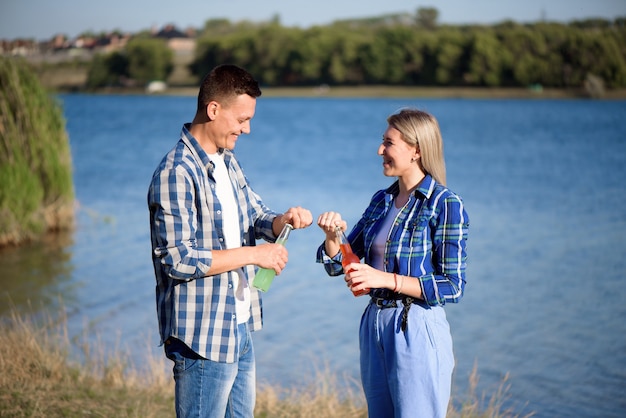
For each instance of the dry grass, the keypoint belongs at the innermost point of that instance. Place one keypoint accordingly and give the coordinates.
(37, 380)
(483, 406)
(323, 396)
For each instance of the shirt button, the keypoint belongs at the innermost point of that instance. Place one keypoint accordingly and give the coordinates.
(219, 212)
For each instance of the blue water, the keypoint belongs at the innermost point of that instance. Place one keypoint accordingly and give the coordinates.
(544, 185)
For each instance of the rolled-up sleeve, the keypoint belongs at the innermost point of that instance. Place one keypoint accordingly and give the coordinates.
(332, 265)
(447, 282)
(174, 224)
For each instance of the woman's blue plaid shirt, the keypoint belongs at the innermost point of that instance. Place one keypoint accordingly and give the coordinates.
(427, 240)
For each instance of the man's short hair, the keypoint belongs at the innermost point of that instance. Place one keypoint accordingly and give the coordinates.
(224, 83)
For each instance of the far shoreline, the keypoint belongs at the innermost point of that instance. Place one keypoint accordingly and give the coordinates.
(385, 92)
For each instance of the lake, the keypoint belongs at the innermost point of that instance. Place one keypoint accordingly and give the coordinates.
(544, 182)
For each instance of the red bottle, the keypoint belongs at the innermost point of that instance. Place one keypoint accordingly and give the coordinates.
(348, 257)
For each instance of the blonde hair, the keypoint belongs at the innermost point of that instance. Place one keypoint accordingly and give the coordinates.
(421, 130)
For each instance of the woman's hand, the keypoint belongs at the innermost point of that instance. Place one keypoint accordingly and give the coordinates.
(329, 221)
(364, 277)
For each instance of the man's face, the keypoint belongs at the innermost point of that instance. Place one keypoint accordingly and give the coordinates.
(231, 120)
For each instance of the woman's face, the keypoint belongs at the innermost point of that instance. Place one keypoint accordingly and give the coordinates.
(398, 156)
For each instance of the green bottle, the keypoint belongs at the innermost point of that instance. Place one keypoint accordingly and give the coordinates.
(264, 277)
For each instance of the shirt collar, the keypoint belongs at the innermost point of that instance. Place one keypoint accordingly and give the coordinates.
(198, 152)
(192, 143)
(424, 188)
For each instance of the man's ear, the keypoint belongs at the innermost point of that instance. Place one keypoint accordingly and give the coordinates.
(212, 109)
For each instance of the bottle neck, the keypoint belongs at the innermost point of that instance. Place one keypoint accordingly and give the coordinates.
(343, 240)
(284, 234)
(341, 236)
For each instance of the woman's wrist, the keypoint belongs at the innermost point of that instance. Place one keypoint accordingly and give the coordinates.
(398, 283)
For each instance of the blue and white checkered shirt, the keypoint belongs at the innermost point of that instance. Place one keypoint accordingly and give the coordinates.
(426, 241)
(186, 226)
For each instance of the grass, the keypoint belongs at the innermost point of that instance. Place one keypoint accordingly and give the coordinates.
(38, 378)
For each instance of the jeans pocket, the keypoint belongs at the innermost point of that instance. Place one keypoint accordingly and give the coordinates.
(182, 356)
(430, 331)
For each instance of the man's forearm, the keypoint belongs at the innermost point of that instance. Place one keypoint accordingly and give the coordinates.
(228, 260)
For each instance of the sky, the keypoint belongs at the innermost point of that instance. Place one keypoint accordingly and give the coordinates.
(42, 19)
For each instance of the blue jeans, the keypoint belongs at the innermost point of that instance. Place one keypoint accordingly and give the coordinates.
(406, 373)
(208, 389)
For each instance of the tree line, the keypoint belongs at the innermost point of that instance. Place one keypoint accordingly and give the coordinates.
(398, 49)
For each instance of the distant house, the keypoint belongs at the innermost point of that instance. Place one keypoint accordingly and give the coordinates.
(182, 43)
(169, 32)
(22, 47)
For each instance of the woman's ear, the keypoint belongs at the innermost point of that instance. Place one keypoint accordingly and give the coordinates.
(416, 154)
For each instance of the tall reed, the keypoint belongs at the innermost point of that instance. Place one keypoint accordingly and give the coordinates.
(36, 189)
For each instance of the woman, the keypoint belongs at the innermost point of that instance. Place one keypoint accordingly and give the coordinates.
(412, 237)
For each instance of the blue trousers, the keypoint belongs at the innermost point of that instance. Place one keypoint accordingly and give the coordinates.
(406, 374)
(208, 389)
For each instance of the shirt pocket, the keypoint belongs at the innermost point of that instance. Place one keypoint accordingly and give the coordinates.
(420, 233)
(369, 228)
(240, 181)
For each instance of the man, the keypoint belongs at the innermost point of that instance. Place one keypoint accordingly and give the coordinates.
(204, 221)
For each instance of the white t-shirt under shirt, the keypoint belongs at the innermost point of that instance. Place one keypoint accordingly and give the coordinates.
(232, 232)
(380, 240)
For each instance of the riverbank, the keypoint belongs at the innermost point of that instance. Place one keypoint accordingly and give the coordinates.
(74, 79)
(397, 92)
(43, 379)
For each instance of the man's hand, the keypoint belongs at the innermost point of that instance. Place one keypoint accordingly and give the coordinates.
(298, 217)
(271, 256)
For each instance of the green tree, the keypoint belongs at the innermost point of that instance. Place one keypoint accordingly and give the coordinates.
(525, 62)
(555, 69)
(149, 59)
(304, 63)
(398, 40)
(384, 57)
(592, 52)
(444, 52)
(312, 60)
(427, 17)
(344, 67)
(107, 70)
(234, 47)
(395, 50)
(274, 46)
(485, 59)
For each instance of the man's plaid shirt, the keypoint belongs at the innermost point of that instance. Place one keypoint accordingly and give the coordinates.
(186, 226)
